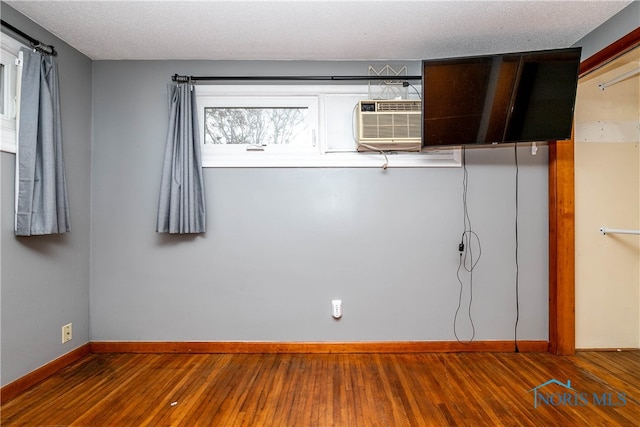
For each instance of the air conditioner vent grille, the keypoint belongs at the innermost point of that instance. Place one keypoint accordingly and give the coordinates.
(396, 125)
(390, 125)
(399, 106)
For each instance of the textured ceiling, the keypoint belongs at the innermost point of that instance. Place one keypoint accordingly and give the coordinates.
(315, 30)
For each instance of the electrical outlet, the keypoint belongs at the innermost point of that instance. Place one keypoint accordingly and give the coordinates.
(336, 311)
(67, 333)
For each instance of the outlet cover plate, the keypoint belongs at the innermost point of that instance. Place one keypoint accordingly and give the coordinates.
(67, 333)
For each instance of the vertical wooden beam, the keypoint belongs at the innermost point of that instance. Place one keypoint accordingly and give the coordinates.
(562, 322)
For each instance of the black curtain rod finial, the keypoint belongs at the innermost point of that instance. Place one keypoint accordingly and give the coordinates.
(44, 48)
(180, 79)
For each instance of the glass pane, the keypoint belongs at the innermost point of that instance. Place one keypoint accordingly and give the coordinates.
(255, 126)
(2, 89)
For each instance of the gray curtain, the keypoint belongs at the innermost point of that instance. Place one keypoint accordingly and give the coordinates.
(42, 206)
(181, 209)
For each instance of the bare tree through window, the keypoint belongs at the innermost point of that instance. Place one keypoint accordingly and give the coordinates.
(255, 126)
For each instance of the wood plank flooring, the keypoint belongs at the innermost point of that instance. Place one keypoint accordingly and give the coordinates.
(435, 389)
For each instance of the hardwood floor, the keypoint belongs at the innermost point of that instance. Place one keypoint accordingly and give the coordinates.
(435, 389)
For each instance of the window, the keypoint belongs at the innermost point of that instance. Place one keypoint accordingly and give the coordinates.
(292, 126)
(258, 126)
(10, 71)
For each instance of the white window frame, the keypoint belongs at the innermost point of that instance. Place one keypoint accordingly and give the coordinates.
(11, 59)
(320, 99)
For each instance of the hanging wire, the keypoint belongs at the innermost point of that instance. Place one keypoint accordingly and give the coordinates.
(467, 260)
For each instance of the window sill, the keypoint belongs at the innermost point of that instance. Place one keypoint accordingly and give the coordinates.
(441, 158)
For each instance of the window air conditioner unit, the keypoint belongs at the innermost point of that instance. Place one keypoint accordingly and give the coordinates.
(389, 125)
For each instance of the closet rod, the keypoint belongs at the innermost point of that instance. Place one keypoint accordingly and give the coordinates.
(44, 48)
(605, 230)
(185, 79)
(620, 78)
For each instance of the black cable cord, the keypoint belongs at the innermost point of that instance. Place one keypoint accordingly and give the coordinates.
(515, 332)
(414, 88)
(466, 255)
(466, 237)
(455, 317)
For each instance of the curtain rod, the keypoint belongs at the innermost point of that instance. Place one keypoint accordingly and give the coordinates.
(185, 79)
(44, 48)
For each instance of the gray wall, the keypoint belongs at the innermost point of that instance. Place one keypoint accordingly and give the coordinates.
(615, 28)
(281, 243)
(45, 280)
